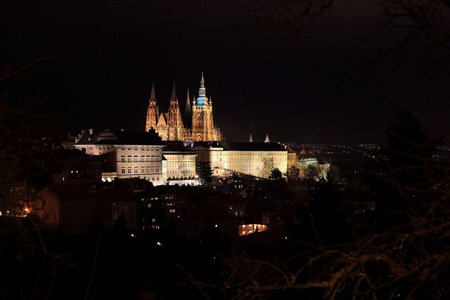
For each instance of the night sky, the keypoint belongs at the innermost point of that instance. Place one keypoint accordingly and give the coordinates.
(319, 87)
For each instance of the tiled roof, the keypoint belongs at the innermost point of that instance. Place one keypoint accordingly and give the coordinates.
(138, 138)
(251, 146)
(177, 147)
(242, 146)
(122, 138)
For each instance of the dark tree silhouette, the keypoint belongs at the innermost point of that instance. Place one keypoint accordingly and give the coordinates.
(204, 171)
(311, 172)
(275, 174)
(293, 172)
(406, 172)
(328, 213)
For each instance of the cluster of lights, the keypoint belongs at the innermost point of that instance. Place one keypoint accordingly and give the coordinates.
(251, 228)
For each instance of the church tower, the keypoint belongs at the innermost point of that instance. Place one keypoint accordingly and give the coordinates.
(152, 111)
(202, 116)
(175, 121)
(196, 123)
(188, 105)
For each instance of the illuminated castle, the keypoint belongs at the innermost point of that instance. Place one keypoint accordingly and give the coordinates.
(196, 124)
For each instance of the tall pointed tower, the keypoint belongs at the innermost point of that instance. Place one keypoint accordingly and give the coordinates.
(196, 124)
(202, 116)
(175, 121)
(188, 104)
(152, 111)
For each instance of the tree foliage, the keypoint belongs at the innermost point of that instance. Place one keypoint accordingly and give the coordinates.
(268, 166)
(275, 174)
(293, 172)
(419, 28)
(311, 172)
(410, 28)
(296, 15)
(204, 171)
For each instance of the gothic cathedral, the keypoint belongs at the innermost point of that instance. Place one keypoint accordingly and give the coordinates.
(196, 124)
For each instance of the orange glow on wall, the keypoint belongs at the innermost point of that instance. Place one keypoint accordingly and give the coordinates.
(251, 228)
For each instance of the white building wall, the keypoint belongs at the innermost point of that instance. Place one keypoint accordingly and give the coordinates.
(140, 161)
(180, 165)
(133, 161)
(248, 162)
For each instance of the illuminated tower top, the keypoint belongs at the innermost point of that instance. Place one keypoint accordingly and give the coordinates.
(188, 104)
(152, 95)
(202, 99)
(174, 94)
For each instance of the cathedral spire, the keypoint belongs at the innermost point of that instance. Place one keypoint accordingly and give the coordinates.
(174, 93)
(152, 95)
(202, 81)
(188, 104)
(202, 99)
(152, 110)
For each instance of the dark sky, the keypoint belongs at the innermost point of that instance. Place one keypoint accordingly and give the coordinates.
(312, 88)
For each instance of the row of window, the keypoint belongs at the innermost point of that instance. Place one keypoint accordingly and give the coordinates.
(148, 158)
(177, 171)
(152, 198)
(257, 153)
(256, 159)
(180, 164)
(136, 148)
(146, 170)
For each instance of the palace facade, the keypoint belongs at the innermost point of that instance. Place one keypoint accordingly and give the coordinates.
(252, 158)
(129, 154)
(197, 123)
